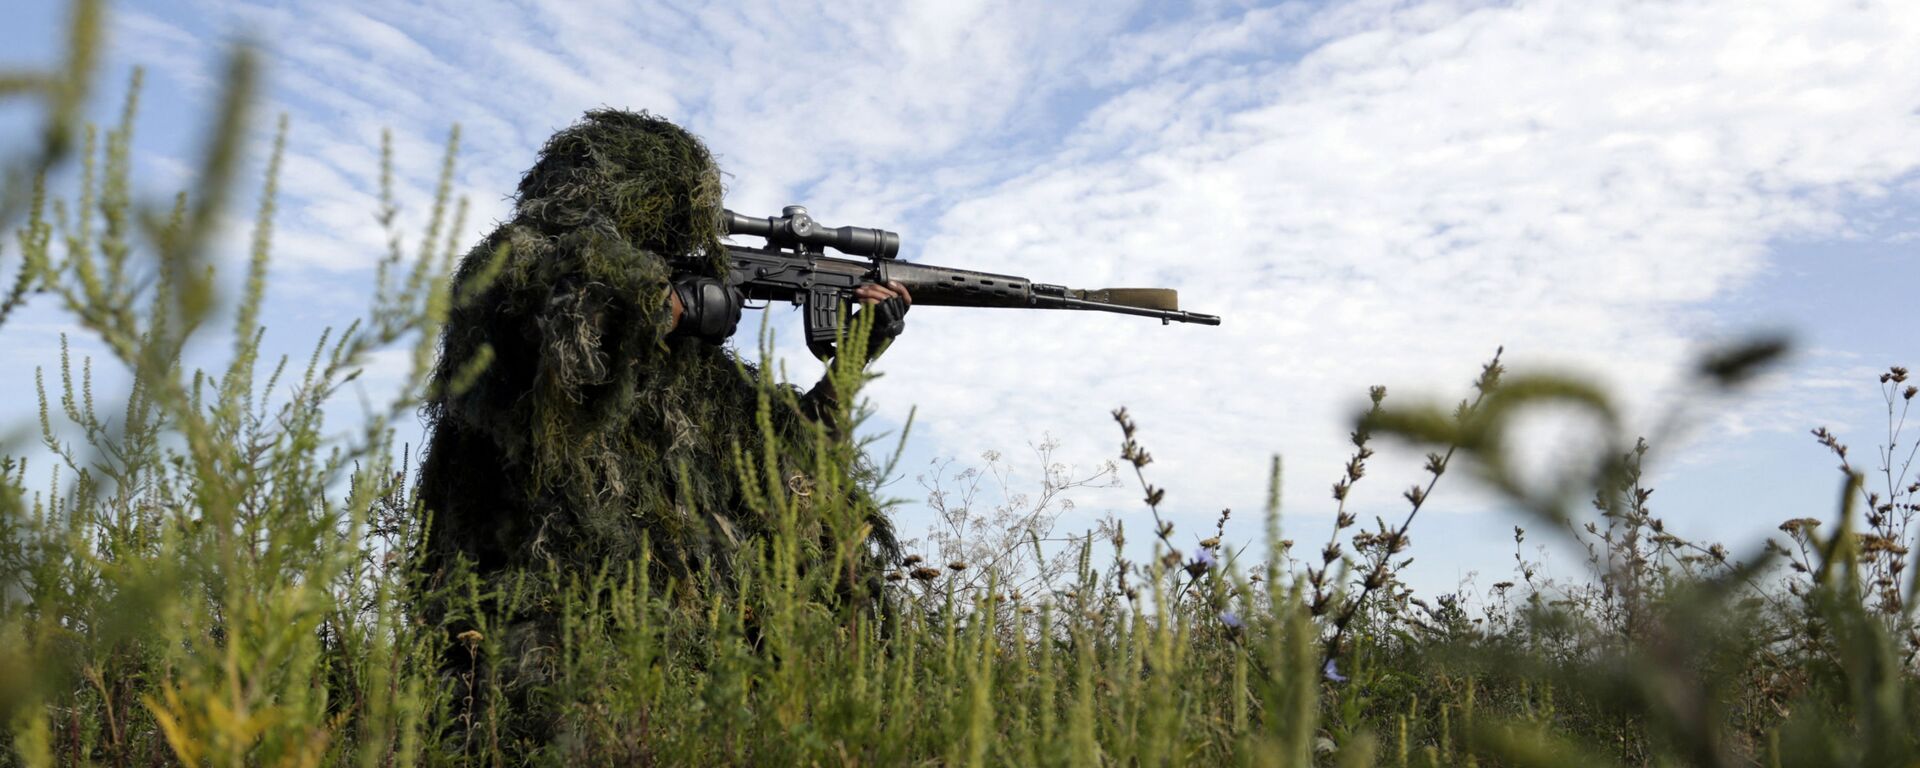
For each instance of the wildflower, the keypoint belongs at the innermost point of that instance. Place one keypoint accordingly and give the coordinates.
(1333, 672)
(1232, 620)
(1799, 524)
(1210, 542)
(1202, 560)
(1871, 543)
(471, 637)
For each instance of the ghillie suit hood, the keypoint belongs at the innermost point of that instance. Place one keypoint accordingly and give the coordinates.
(567, 426)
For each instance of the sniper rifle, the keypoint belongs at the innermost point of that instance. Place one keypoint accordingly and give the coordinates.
(793, 267)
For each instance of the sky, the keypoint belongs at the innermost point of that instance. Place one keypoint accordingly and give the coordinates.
(1368, 192)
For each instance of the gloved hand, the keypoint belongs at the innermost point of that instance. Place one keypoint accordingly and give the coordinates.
(890, 317)
(709, 308)
(889, 303)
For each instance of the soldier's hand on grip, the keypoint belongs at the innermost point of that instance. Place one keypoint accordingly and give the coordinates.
(890, 303)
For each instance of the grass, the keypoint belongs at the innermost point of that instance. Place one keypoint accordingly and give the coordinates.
(202, 577)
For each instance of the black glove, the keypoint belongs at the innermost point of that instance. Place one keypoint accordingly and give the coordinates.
(710, 309)
(889, 318)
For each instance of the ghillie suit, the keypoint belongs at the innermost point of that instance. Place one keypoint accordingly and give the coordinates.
(568, 425)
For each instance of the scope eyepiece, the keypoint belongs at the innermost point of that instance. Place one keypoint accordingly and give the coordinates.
(794, 228)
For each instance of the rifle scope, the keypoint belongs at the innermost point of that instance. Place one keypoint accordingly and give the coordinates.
(793, 228)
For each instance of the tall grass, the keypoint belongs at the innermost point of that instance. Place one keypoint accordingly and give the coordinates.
(204, 576)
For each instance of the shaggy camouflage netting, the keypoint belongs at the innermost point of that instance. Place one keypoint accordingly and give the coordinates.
(588, 427)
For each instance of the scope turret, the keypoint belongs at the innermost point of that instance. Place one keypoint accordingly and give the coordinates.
(793, 228)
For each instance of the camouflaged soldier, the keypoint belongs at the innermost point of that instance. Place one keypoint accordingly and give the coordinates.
(583, 402)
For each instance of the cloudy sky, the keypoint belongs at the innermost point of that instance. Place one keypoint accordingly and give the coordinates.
(1369, 192)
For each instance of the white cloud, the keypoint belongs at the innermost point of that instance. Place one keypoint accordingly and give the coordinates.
(163, 46)
(1573, 180)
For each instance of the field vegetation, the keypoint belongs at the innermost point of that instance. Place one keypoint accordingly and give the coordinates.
(205, 572)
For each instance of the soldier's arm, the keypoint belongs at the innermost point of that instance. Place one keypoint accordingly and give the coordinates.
(712, 309)
(892, 301)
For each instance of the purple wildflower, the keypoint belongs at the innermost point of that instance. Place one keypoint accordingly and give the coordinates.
(1201, 562)
(1232, 620)
(1333, 672)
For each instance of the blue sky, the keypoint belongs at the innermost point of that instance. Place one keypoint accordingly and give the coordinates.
(1369, 192)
